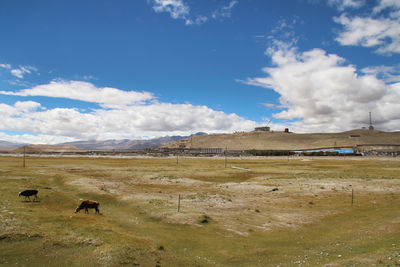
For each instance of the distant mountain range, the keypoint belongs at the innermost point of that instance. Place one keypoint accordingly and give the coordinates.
(5, 145)
(124, 144)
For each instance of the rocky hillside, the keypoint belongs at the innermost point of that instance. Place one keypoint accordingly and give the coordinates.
(288, 141)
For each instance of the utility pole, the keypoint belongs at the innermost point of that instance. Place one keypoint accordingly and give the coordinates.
(370, 122)
(352, 196)
(23, 162)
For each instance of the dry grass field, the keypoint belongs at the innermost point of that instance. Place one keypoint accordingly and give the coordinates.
(263, 212)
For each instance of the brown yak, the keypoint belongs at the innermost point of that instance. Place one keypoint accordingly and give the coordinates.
(88, 204)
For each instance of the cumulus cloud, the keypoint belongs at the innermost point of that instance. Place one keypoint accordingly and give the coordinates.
(26, 106)
(319, 92)
(132, 118)
(105, 96)
(18, 108)
(379, 29)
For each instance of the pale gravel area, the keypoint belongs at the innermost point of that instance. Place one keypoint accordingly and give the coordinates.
(236, 207)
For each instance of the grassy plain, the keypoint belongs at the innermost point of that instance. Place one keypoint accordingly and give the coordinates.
(267, 212)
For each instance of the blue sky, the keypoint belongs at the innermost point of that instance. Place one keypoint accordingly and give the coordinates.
(80, 70)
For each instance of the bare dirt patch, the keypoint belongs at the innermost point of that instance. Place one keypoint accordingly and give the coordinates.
(262, 202)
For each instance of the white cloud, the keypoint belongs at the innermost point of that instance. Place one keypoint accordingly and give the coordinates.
(389, 74)
(224, 11)
(197, 21)
(132, 118)
(384, 4)
(178, 9)
(18, 108)
(343, 4)
(379, 29)
(89, 77)
(5, 66)
(22, 70)
(370, 32)
(321, 93)
(270, 105)
(35, 139)
(18, 73)
(167, 117)
(284, 30)
(26, 106)
(106, 96)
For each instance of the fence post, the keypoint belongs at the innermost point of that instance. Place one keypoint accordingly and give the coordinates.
(352, 196)
(226, 148)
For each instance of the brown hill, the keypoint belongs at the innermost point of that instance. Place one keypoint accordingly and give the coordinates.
(47, 149)
(288, 141)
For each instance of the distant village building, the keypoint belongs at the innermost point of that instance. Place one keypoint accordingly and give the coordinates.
(262, 129)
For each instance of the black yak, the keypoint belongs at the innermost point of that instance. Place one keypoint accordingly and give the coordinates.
(88, 204)
(28, 194)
